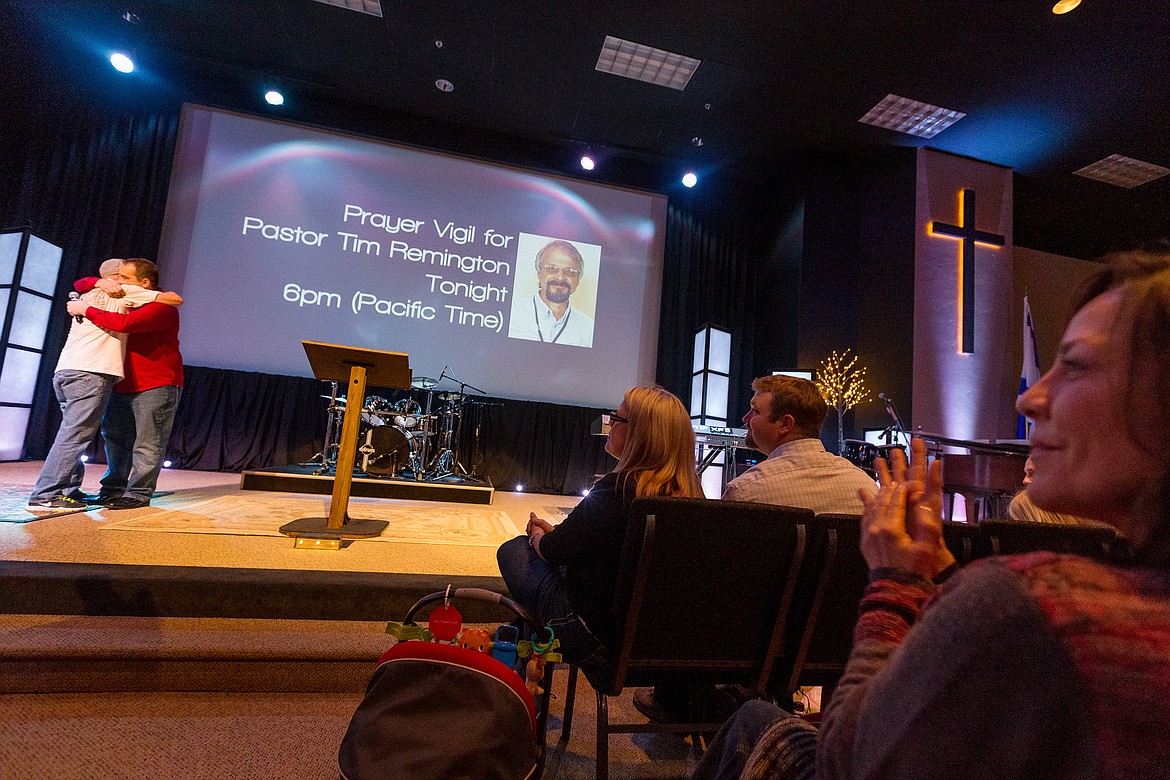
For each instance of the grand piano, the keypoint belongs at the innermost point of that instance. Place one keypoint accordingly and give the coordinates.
(987, 477)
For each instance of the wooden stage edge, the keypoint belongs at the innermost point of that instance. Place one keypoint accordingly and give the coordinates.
(301, 479)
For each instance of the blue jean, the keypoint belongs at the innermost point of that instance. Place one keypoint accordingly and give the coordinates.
(540, 589)
(727, 755)
(137, 427)
(83, 396)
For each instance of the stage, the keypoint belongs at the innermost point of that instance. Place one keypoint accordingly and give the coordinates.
(208, 548)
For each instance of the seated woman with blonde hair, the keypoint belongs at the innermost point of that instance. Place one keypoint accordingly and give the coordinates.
(566, 576)
(1031, 666)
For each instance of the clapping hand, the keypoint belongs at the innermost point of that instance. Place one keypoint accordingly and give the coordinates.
(901, 526)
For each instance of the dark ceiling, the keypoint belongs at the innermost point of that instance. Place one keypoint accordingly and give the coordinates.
(1044, 94)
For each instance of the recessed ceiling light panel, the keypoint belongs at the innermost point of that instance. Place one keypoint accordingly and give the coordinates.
(371, 7)
(1122, 171)
(911, 116)
(645, 63)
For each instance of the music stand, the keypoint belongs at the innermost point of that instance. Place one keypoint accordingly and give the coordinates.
(357, 366)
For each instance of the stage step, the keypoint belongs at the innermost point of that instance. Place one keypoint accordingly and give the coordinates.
(38, 588)
(82, 654)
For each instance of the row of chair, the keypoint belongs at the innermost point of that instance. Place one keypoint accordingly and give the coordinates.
(762, 596)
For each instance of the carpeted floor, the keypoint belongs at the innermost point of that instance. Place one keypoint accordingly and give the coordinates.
(205, 736)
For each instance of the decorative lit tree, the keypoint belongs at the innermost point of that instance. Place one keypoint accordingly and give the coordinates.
(842, 384)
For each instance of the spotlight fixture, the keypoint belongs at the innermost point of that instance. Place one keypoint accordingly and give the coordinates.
(697, 141)
(122, 62)
(85, 459)
(1064, 6)
(273, 97)
(587, 162)
(444, 86)
(689, 179)
(519, 488)
(585, 492)
(166, 464)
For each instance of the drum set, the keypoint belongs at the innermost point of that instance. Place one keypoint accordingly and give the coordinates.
(405, 438)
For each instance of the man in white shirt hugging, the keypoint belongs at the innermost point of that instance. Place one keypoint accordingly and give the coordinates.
(91, 363)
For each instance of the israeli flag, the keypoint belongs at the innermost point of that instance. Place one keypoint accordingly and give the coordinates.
(1029, 371)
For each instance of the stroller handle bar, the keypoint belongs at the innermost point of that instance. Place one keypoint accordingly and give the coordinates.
(474, 594)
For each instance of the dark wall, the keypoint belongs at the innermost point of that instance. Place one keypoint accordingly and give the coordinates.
(857, 277)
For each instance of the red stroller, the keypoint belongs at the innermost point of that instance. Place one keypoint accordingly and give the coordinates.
(447, 711)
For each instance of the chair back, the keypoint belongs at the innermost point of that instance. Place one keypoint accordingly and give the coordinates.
(1008, 537)
(824, 610)
(825, 607)
(704, 591)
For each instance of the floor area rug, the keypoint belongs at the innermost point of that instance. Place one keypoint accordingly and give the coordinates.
(257, 515)
(14, 506)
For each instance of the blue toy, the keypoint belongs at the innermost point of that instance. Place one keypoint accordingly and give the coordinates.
(504, 648)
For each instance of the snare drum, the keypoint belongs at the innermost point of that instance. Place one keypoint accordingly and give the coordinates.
(376, 411)
(386, 450)
(407, 413)
(860, 453)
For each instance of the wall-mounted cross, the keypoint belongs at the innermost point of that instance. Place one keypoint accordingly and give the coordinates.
(966, 231)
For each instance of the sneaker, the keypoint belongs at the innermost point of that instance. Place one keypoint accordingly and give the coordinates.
(127, 502)
(652, 706)
(58, 504)
(105, 499)
(680, 704)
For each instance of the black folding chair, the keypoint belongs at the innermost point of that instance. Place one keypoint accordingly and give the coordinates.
(702, 598)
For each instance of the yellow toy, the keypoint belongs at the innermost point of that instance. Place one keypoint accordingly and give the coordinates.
(533, 674)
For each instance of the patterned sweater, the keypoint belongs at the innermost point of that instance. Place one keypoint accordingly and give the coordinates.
(1029, 666)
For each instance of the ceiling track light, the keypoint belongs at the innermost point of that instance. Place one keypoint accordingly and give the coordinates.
(1064, 6)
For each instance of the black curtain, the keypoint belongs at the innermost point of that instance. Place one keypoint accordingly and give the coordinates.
(710, 266)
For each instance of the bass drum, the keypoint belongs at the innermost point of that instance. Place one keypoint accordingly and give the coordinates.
(386, 450)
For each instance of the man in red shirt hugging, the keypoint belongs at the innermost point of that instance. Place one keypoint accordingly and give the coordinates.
(142, 409)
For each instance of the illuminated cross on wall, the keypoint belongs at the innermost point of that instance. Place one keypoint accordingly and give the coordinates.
(966, 231)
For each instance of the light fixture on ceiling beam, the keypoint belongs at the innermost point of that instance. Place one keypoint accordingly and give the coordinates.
(645, 63)
(912, 117)
(444, 86)
(1122, 171)
(1064, 6)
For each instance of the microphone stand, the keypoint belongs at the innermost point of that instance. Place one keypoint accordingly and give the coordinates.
(897, 428)
(447, 461)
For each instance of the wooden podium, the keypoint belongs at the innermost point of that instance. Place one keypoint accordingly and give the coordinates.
(357, 366)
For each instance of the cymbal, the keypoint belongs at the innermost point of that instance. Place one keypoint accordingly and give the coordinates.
(423, 382)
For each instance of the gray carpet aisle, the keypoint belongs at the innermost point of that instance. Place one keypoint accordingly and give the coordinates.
(256, 736)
